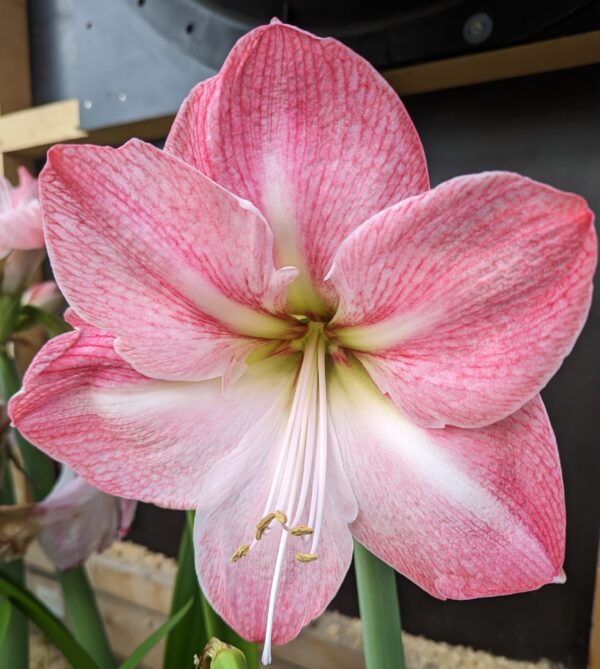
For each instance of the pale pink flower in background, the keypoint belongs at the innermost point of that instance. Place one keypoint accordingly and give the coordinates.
(20, 216)
(279, 324)
(45, 296)
(74, 521)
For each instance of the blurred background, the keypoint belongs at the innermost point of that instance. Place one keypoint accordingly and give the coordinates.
(489, 85)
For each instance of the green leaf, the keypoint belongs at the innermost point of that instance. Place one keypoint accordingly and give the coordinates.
(189, 637)
(14, 652)
(30, 316)
(48, 623)
(84, 617)
(146, 646)
(5, 612)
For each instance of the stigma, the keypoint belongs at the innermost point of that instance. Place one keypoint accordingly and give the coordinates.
(295, 502)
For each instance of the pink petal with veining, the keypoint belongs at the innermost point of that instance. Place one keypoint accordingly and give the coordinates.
(240, 591)
(462, 513)
(131, 435)
(311, 134)
(147, 248)
(466, 299)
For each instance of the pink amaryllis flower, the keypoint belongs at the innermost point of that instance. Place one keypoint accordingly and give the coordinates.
(20, 216)
(74, 521)
(280, 325)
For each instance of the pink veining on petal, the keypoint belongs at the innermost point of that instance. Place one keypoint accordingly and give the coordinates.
(462, 513)
(174, 266)
(312, 135)
(464, 300)
(131, 435)
(240, 591)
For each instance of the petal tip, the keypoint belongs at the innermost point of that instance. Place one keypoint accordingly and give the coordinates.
(560, 578)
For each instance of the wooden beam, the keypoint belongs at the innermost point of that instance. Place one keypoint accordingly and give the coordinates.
(15, 79)
(32, 131)
(517, 61)
(39, 127)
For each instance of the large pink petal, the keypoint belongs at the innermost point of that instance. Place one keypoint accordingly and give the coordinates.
(461, 512)
(467, 298)
(130, 435)
(233, 501)
(312, 135)
(152, 251)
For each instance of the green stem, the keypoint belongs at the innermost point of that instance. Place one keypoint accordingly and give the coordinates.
(379, 611)
(14, 651)
(84, 616)
(39, 467)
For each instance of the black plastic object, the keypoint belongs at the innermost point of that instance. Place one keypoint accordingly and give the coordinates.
(127, 60)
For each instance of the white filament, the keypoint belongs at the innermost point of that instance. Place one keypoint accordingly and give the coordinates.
(301, 464)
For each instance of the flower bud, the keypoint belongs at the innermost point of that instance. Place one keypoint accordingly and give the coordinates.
(73, 521)
(219, 655)
(45, 296)
(18, 268)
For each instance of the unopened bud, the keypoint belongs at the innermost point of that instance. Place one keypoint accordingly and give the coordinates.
(219, 655)
(45, 296)
(18, 269)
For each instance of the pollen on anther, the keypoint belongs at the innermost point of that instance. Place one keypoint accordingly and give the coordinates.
(280, 517)
(301, 530)
(264, 523)
(240, 552)
(306, 557)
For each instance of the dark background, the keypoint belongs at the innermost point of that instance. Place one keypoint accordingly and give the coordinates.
(546, 127)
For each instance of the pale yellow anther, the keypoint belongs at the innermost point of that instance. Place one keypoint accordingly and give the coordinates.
(280, 517)
(240, 552)
(264, 523)
(306, 557)
(301, 530)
